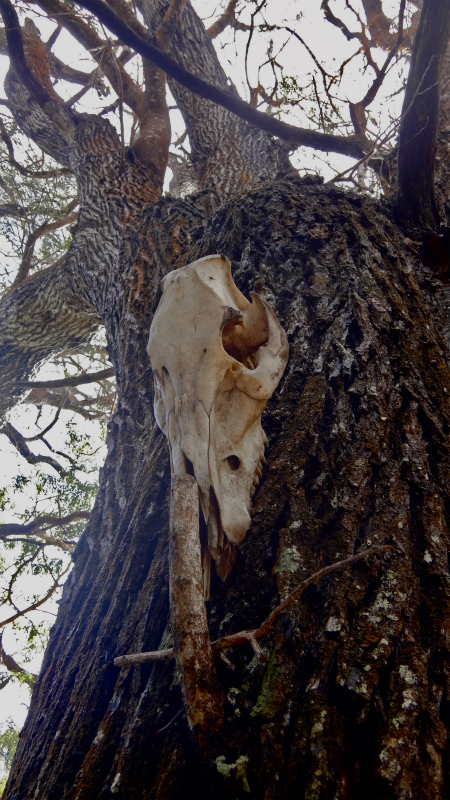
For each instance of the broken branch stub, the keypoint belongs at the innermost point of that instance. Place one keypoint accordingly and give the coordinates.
(217, 359)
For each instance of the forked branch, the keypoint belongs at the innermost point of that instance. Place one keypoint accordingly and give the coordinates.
(16, 438)
(252, 636)
(38, 603)
(352, 146)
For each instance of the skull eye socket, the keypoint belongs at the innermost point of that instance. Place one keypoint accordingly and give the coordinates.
(233, 462)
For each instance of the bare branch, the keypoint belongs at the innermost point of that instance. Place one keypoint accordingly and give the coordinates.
(152, 143)
(11, 664)
(66, 398)
(38, 527)
(17, 55)
(330, 17)
(346, 562)
(37, 603)
(46, 173)
(226, 19)
(324, 74)
(42, 230)
(142, 658)
(354, 146)
(251, 636)
(71, 75)
(357, 109)
(20, 444)
(46, 521)
(52, 38)
(75, 380)
(47, 429)
(202, 696)
(100, 50)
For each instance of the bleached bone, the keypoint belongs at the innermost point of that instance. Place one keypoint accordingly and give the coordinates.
(217, 359)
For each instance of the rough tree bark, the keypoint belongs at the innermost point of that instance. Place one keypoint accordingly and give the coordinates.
(352, 700)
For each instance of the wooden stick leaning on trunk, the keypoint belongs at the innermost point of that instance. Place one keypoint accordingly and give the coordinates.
(203, 698)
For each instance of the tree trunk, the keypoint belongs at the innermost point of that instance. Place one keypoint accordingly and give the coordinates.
(352, 700)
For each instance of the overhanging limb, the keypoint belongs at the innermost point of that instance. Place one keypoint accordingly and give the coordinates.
(353, 146)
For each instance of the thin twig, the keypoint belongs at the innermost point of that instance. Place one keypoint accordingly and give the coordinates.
(16, 438)
(47, 429)
(42, 230)
(353, 146)
(251, 636)
(45, 173)
(38, 603)
(174, 719)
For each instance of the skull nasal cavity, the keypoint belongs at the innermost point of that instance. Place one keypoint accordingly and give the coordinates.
(241, 341)
(233, 462)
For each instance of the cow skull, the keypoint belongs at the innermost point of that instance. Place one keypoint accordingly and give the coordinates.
(217, 359)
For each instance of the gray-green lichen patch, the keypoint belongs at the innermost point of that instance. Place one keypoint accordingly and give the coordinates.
(238, 770)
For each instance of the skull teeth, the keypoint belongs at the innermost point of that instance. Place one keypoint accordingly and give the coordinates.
(252, 491)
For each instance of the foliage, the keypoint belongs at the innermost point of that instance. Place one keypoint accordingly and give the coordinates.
(9, 736)
(39, 201)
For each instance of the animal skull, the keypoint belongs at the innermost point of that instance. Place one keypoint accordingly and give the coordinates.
(217, 359)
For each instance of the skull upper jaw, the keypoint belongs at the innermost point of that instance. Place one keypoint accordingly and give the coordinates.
(217, 359)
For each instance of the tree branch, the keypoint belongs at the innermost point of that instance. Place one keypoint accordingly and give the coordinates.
(25, 75)
(16, 438)
(37, 603)
(202, 696)
(75, 380)
(330, 17)
(226, 19)
(39, 318)
(66, 73)
(100, 50)
(12, 210)
(17, 54)
(11, 664)
(251, 636)
(351, 146)
(357, 110)
(46, 173)
(39, 526)
(42, 230)
(65, 398)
